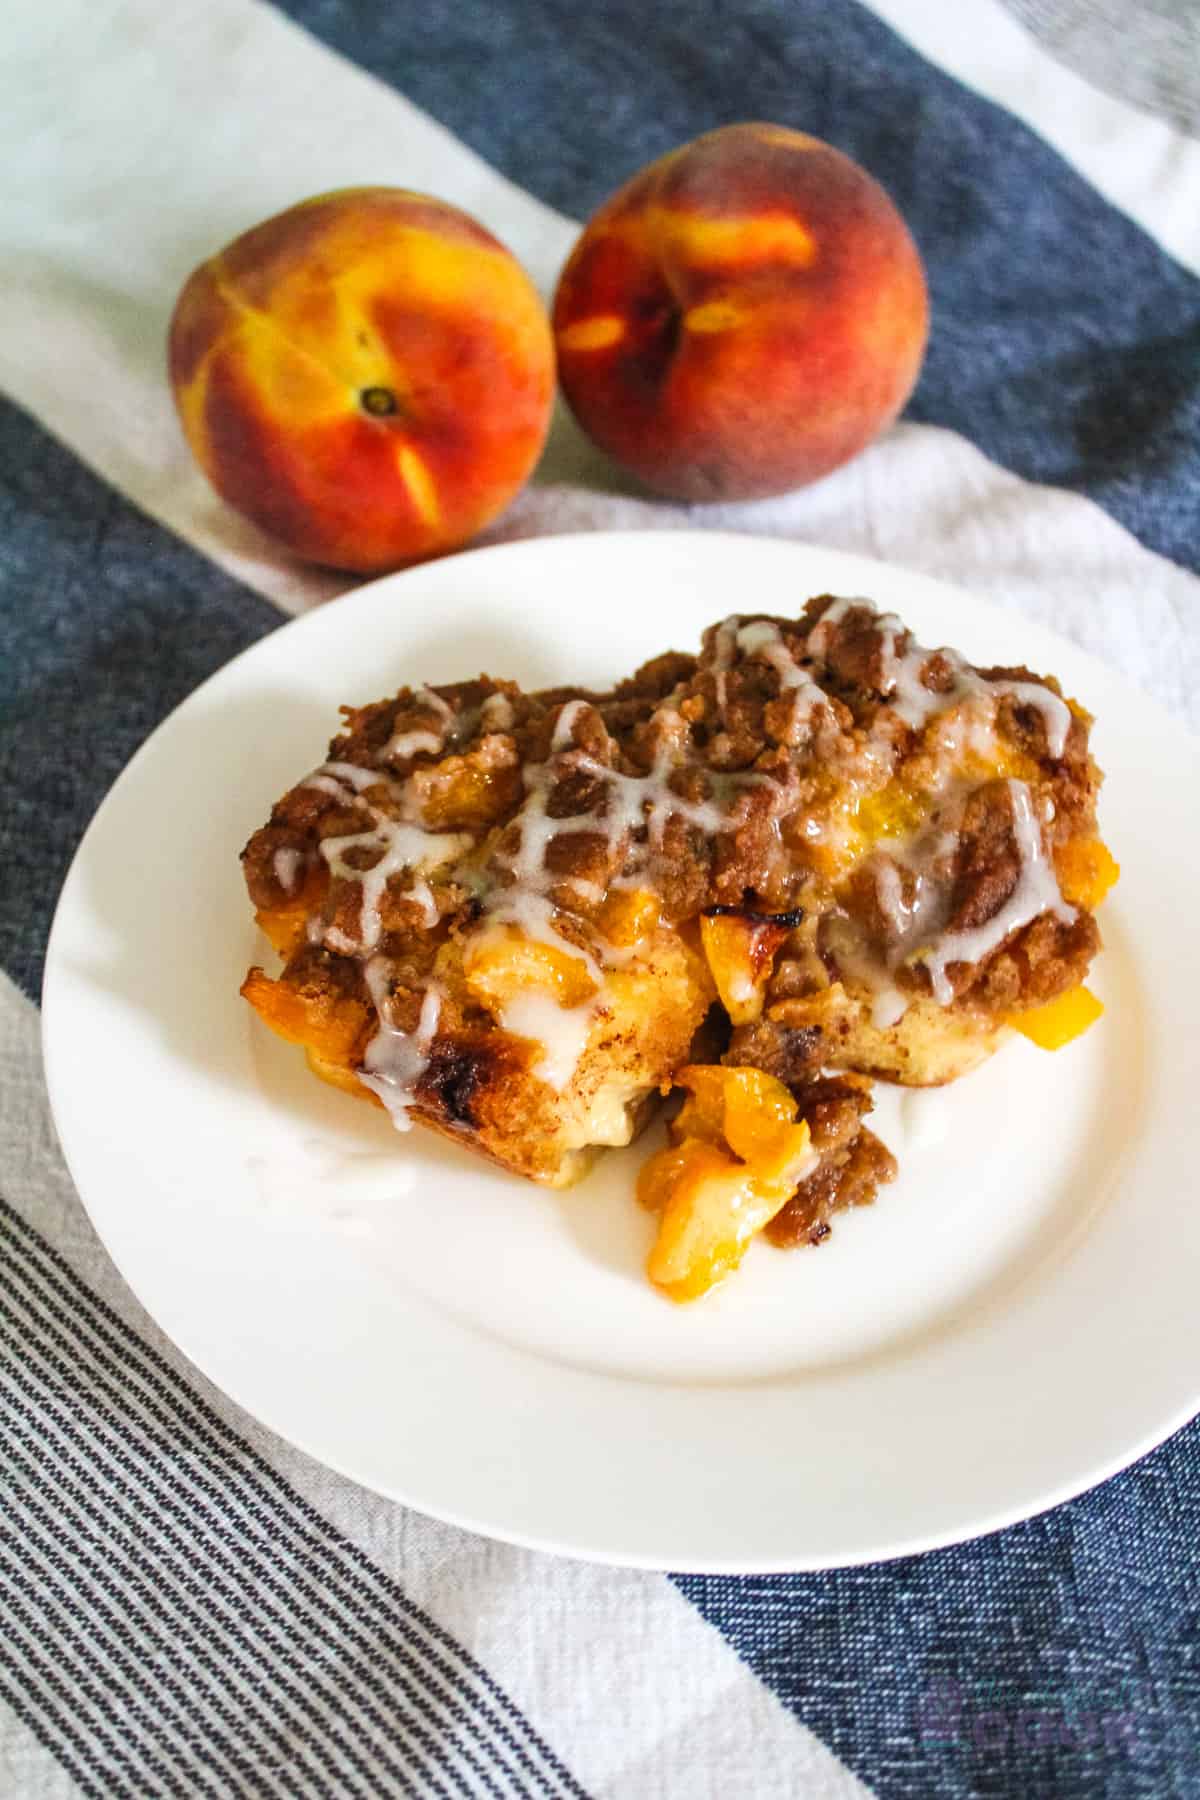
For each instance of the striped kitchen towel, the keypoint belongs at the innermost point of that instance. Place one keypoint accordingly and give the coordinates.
(191, 1607)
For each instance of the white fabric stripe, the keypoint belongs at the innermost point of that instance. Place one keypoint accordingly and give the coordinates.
(581, 1651)
(27, 1766)
(1136, 160)
(1148, 54)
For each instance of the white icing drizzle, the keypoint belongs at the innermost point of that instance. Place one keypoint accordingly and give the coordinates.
(915, 910)
(912, 920)
(325, 784)
(1036, 892)
(630, 803)
(902, 684)
(395, 1060)
(526, 903)
(410, 743)
(1056, 714)
(588, 891)
(562, 1032)
(334, 938)
(889, 1006)
(496, 713)
(433, 740)
(286, 864)
(345, 781)
(564, 727)
(650, 799)
(903, 687)
(724, 646)
(401, 843)
(400, 846)
(350, 775)
(765, 640)
(422, 893)
(817, 642)
(725, 641)
(917, 918)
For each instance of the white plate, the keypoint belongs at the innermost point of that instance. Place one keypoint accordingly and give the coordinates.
(1012, 1321)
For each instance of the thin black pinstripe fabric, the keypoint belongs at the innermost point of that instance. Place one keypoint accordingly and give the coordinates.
(179, 1620)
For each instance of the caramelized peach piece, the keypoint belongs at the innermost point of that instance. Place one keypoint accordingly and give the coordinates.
(330, 1025)
(283, 926)
(710, 1213)
(468, 793)
(504, 965)
(740, 949)
(1086, 871)
(1060, 1021)
(739, 1156)
(629, 915)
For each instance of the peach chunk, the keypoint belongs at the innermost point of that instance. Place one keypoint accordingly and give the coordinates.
(739, 947)
(737, 1155)
(367, 376)
(1059, 1021)
(1086, 871)
(743, 316)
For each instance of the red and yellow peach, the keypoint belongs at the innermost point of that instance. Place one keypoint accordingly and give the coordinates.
(368, 376)
(743, 316)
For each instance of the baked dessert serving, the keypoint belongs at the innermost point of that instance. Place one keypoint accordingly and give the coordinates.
(816, 854)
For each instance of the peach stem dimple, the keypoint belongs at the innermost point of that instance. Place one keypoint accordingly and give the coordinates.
(380, 402)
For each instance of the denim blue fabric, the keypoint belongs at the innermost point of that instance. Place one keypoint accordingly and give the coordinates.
(106, 623)
(1053, 1661)
(1065, 344)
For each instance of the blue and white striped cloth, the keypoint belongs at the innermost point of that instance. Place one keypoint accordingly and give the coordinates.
(191, 1607)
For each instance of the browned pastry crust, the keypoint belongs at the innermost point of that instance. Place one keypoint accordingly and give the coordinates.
(489, 902)
(853, 1164)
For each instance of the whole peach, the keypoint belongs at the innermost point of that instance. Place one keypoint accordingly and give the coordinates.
(368, 376)
(744, 315)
